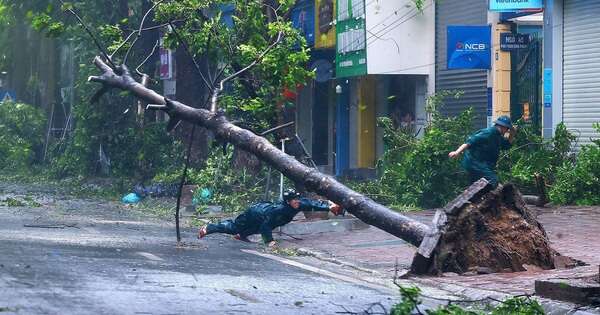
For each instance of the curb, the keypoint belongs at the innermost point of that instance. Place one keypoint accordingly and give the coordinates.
(323, 226)
(551, 307)
(327, 258)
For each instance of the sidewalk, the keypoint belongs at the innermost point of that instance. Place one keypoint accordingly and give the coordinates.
(573, 231)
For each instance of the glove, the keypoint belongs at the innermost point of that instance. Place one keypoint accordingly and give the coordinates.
(335, 209)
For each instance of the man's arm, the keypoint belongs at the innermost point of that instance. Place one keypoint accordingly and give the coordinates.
(458, 151)
(319, 205)
(314, 205)
(266, 231)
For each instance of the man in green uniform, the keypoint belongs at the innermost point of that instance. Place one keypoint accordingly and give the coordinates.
(263, 217)
(483, 149)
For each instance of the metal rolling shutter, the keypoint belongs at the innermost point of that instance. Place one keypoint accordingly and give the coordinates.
(581, 68)
(472, 82)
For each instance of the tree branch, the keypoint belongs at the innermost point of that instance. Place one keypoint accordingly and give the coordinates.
(89, 31)
(139, 32)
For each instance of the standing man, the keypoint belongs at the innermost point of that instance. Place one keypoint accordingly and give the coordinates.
(265, 216)
(483, 149)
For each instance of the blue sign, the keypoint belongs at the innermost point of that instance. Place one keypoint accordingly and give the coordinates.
(7, 96)
(469, 47)
(514, 5)
(303, 19)
(548, 87)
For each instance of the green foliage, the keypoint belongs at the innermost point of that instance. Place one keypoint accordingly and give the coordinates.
(142, 151)
(513, 306)
(26, 201)
(531, 155)
(21, 134)
(410, 301)
(256, 101)
(233, 189)
(418, 172)
(578, 181)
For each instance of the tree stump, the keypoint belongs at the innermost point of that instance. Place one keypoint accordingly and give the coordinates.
(485, 229)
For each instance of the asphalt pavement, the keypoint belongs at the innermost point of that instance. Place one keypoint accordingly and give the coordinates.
(72, 256)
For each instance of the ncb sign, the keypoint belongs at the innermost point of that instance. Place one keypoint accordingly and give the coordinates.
(469, 47)
(515, 5)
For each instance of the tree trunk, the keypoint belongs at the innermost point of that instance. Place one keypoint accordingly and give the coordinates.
(360, 206)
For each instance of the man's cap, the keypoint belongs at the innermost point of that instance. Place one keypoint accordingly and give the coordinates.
(290, 194)
(504, 121)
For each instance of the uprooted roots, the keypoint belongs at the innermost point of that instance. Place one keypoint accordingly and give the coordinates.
(495, 233)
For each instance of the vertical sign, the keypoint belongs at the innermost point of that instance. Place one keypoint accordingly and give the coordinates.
(166, 62)
(469, 47)
(303, 19)
(351, 45)
(548, 87)
(490, 107)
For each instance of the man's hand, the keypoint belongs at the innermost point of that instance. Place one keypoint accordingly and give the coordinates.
(512, 133)
(455, 154)
(272, 244)
(335, 208)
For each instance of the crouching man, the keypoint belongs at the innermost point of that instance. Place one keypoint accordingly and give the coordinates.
(265, 216)
(483, 150)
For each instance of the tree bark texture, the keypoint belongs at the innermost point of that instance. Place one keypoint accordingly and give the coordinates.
(360, 206)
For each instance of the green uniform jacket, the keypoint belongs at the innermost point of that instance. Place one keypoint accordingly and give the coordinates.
(482, 155)
(268, 216)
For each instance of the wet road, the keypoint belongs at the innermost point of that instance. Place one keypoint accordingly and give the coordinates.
(89, 257)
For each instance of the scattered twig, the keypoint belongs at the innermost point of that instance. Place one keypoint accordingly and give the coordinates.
(289, 235)
(50, 226)
(182, 182)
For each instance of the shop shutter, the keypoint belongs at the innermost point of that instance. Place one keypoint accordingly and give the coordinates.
(581, 68)
(472, 82)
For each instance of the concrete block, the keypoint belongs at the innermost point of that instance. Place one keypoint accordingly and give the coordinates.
(324, 226)
(583, 291)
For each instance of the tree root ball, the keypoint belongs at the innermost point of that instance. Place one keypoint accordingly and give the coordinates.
(494, 232)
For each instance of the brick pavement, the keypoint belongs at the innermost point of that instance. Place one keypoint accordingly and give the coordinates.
(573, 231)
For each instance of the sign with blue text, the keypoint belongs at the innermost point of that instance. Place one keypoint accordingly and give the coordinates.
(515, 5)
(469, 47)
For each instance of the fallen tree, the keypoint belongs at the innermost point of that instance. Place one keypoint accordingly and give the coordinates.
(360, 206)
(480, 228)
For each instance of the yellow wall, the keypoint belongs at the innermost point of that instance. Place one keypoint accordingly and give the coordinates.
(501, 72)
(367, 124)
(324, 40)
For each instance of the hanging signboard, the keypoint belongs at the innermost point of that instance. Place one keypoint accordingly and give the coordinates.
(469, 47)
(166, 62)
(351, 44)
(324, 28)
(303, 19)
(510, 41)
(515, 5)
